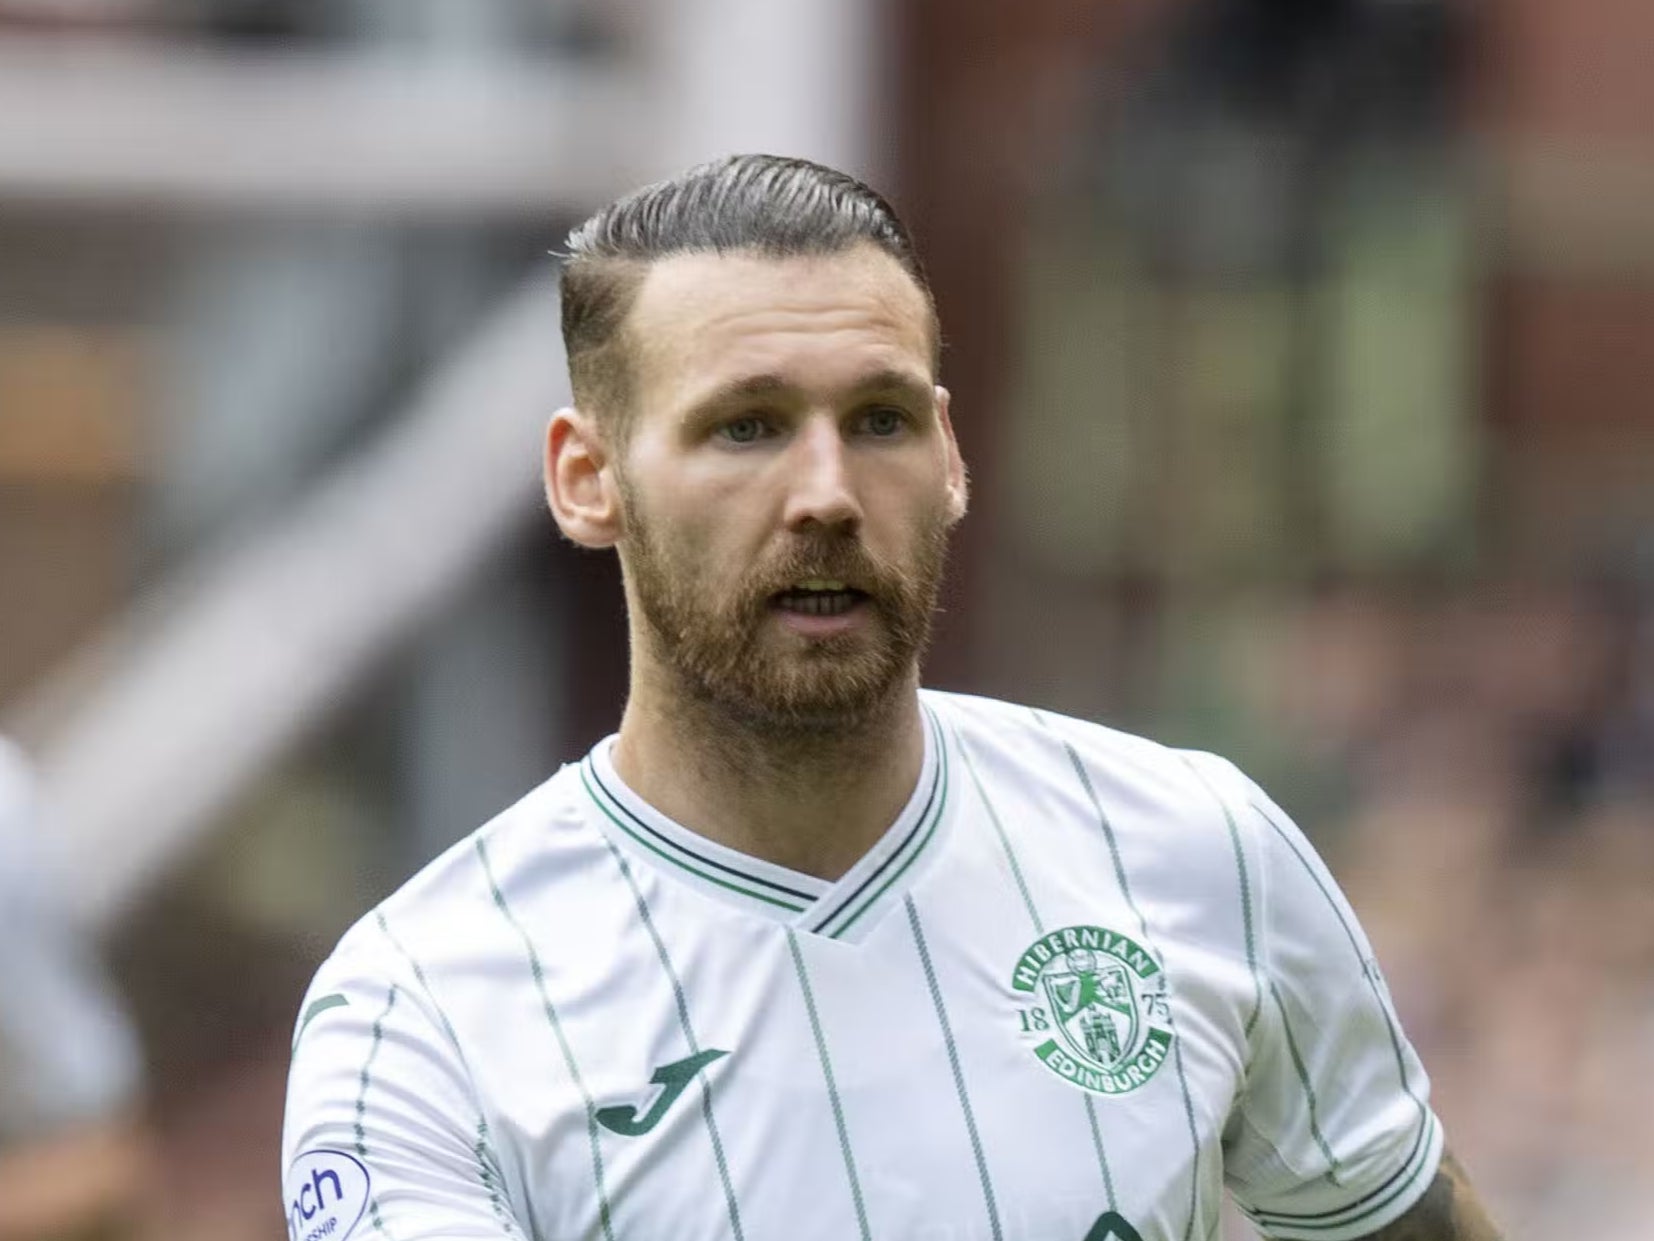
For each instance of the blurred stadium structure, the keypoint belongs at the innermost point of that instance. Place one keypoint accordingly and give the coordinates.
(1300, 348)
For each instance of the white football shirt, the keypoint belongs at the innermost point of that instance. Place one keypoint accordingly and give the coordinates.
(1082, 984)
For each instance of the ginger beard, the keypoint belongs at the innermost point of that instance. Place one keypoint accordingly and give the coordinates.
(725, 649)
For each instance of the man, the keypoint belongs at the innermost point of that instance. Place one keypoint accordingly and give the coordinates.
(73, 1156)
(804, 951)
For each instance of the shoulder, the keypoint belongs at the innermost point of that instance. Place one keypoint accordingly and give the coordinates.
(14, 768)
(17, 864)
(451, 905)
(1176, 819)
(17, 789)
(1031, 743)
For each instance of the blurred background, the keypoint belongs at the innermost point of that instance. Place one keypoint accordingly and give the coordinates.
(1302, 352)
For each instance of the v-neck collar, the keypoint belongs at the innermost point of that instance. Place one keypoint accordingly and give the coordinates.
(845, 909)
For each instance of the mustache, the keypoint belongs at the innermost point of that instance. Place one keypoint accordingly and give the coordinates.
(837, 558)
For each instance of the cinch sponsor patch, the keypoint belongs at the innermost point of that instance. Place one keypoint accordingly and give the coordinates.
(327, 1195)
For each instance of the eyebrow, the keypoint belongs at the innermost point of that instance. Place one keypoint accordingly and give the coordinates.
(767, 384)
(894, 381)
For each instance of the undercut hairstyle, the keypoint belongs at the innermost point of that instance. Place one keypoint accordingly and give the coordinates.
(767, 205)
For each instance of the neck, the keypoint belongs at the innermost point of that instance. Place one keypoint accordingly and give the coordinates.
(811, 800)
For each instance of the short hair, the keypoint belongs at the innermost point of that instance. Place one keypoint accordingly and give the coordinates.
(770, 205)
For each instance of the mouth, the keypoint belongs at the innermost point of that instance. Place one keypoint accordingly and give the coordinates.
(818, 597)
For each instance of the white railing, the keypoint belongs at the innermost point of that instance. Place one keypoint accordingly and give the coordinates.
(149, 735)
(211, 679)
(175, 126)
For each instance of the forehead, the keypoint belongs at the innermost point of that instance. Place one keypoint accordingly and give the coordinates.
(705, 319)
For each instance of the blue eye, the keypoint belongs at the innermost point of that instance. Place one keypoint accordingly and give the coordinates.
(743, 430)
(884, 421)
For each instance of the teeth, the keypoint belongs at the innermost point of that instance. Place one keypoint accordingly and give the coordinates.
(821, 605)
(821, 583)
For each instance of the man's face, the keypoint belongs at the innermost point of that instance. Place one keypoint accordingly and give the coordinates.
(788, 482)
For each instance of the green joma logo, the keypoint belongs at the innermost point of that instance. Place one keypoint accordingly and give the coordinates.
(672, 1079)
(1112, 1227)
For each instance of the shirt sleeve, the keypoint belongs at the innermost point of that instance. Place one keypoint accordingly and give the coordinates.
(1332, 1137)
(383, 1134)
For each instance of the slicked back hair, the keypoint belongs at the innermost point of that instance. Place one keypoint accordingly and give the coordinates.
(768, 205)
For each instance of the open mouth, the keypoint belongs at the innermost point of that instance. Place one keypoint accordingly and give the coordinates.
(819, 597)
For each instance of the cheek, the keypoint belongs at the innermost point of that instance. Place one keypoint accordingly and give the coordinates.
(903, 510)
(694, 499)
(686, 539)
(727, 523)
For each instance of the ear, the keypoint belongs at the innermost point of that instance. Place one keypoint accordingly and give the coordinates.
(958, 485)
(580, 489)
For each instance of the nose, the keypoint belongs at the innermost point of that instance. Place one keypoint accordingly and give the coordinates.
(820, 489)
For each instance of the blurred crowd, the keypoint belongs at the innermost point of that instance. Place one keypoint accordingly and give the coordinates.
(1499, 844)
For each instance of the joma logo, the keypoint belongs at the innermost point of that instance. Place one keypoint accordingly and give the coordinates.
(1113, 1227)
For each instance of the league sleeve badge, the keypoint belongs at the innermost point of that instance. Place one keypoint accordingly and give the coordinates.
(326, 1193)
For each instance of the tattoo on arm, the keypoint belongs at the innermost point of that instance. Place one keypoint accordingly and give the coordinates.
(1449, 1211)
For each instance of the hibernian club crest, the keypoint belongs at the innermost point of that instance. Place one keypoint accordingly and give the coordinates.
(1096, 1013)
